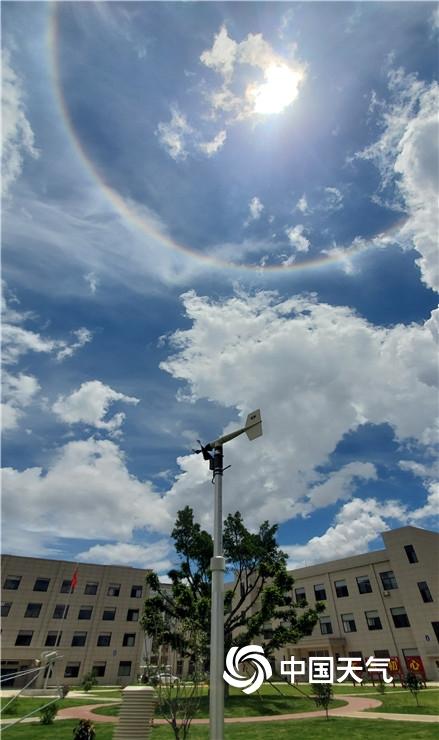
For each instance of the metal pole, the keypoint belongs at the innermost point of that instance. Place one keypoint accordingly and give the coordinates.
(217, 566)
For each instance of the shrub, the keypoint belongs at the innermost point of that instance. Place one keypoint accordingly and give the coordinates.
(48, 714)
(84, 730)
(89, 681)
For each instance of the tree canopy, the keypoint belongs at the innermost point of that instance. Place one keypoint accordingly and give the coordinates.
(261, 592)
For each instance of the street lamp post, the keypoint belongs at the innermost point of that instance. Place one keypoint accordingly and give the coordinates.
(213, 453)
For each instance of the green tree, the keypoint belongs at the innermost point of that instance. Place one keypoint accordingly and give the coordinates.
(322, 693)
(261, 592)
(414, 685)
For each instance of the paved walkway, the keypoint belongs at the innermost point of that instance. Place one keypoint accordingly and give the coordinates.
(355, 708)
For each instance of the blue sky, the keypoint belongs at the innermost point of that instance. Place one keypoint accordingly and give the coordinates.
(209, 208)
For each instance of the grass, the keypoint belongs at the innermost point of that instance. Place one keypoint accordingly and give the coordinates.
(21, 707)
(269, 701)
(309, 729)
(402, 702)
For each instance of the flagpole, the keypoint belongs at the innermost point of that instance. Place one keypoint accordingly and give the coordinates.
(73, 582)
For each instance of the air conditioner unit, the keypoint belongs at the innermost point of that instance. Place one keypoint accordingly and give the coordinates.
(386, 593)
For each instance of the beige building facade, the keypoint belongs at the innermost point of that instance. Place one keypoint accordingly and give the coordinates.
(383, 603)
(94, 628)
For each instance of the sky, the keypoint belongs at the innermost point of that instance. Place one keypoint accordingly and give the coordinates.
(209, 208)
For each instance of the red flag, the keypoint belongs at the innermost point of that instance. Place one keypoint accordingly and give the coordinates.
(74, 580)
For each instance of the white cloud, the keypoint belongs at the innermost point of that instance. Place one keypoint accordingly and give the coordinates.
(297, 238)
(86, 492)
(317, 372)
(407, 154)
(333, 199)
(154, 556)
(18, 341)
(221, 57)
(340, 484)
(213, 146)
(255, 208)
(18, 391)
(89, 405)
(18, 137)
(357, 525)
(281, 77)
(302, 204)
(175, 134)
(92, 282)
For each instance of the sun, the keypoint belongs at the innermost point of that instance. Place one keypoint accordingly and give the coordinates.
(278, 91)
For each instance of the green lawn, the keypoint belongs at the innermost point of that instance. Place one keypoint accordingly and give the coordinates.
(402, 702)
(21, 707)
(268, 701)
(309, 729)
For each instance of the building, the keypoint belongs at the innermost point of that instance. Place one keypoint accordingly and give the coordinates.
(383, 603)
(94, 628)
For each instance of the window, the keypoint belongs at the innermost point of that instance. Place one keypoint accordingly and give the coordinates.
(53, 639)
(124, 668)
(132, 615)
(60, 611)
(41, 584)
(113, 589)
(136, 592)
(65, 587)
(341, 589)
(85, 612)
(399, 616)
(320, 592)
(104, 639)
(129, 639)
(411, 553)
(364, 586)
(373, 621)
(357, 654)
(381, 654)
(33, 610)
(24, 637)
(109, 614)
(325, 625)
(12, 583)
(91, 588)
(6, 608)
(388, 580)
(79, 639)
(99, 669)
(72, 670)
(300, 595)
(435, 626)
(348, 623)
(425, 591)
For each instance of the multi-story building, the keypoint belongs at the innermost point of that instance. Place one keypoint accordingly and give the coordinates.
(94, 628)
(383, 603)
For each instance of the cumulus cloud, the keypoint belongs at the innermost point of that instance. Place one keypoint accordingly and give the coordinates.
(18, 392)
(155, 556)
(407, 154)
(92, 282)
(255, 208)
(302, 204)
(356, 526)
(226, 55)
(317, 372)
(333, 199)
(86, 492)
(213, 146)
(296, 237)
(90, 404)
(18, 137)
(175, 135)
